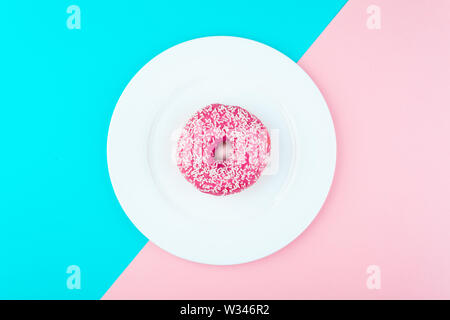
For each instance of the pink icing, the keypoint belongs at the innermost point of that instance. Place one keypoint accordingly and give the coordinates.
(249, 154)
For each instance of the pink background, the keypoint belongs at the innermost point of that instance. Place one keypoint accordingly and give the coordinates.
(389, 94)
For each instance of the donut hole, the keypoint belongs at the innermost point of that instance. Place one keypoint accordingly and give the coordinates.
(223, 150)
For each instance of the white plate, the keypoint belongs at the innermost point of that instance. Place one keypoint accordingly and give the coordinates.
(169, 210)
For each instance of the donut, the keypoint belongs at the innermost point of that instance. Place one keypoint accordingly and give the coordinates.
(223, 149)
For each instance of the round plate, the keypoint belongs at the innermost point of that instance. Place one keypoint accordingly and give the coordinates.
(146, 124)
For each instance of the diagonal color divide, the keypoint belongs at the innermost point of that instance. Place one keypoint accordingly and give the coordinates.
(59, 89)
(388, 92)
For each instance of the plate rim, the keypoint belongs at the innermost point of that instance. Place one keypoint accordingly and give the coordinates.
(156, 241)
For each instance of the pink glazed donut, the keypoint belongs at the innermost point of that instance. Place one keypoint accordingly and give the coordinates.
(217, 127)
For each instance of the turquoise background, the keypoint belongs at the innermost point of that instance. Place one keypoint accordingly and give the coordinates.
(58, 91)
